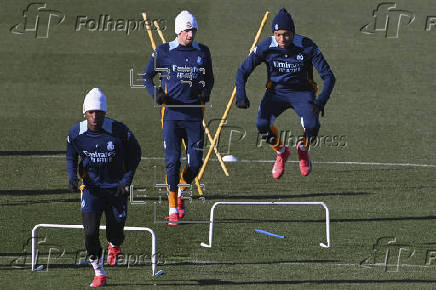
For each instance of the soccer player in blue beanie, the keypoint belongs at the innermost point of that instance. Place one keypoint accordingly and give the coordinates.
(290, 59)
(185, 86)
(109, 155)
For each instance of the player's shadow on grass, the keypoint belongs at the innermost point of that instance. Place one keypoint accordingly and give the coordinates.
(277, 196)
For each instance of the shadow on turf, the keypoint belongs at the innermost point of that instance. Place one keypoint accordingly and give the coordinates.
(272, 196)
(32, 191)
(266, 196)
(360, 281)
(31, 153)
(29, 202)
(214, 263)
(386, 219)
(212, 282)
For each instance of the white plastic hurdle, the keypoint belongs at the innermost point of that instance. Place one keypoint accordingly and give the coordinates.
(315, 203)
(153, 241)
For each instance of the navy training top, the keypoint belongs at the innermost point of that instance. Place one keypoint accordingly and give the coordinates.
(289, 69)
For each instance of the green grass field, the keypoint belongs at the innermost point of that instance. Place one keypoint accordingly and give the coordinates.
(379, 186)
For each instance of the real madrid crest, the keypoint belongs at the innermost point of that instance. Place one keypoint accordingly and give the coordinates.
(110, 146)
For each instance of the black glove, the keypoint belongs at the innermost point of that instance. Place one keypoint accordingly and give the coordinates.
(122, 190)
(73, 185)
(317, 108)
(203, 97)
(161, 97)
(243, 103)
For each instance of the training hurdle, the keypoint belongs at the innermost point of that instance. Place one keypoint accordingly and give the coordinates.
(314, 203)
(153, 240)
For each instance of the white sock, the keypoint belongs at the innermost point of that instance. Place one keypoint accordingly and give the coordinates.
(303, 148)
(97, 264)
(173, 210)
(179, 192)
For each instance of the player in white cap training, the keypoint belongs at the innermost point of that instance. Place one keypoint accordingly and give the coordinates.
(187, 84)
(109, 155)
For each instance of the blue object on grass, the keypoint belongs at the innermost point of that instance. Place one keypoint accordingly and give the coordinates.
(269, 234)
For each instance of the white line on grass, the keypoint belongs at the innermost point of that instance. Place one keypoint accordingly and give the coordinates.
(291, 161)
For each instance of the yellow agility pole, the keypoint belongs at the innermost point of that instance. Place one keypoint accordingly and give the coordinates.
(206, 129)
(159, 31)
(230, 103)
(149, 31)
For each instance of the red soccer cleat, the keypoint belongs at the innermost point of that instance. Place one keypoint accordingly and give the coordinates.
(98, 281)
(113, 253)
(305, 164)
(181, 207)
(173, 219)
(279, 165)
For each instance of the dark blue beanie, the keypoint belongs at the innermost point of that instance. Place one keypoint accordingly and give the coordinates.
(283, 20)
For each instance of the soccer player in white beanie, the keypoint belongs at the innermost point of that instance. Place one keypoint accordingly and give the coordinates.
(185, 21)
(109, 155)
(188, 86)
(95, 100)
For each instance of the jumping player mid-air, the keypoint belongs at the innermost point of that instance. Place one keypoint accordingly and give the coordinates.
(290, 59)
(109, 155)
(186, 83)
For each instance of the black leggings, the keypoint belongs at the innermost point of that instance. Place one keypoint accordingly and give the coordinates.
(114, 231)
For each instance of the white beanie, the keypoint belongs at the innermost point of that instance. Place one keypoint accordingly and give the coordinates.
(95, 100)
(185, 20)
